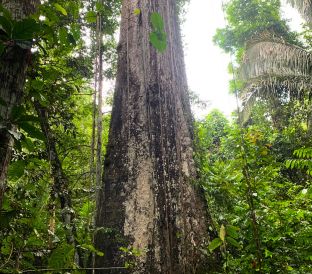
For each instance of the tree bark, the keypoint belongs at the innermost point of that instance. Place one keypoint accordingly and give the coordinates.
(148, 202)
(13, 65)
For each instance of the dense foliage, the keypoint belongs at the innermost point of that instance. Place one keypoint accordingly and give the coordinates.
(256, 176)
(258, 192)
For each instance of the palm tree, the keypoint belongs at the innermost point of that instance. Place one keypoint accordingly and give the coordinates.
(273, 68)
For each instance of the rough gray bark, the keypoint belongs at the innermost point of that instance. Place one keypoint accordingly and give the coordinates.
(148, 201)
(13, 65)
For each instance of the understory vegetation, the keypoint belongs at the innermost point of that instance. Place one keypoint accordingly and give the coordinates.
(255, 168)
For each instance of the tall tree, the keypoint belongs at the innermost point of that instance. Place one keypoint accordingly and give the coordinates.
(147, 203)
(13, 65)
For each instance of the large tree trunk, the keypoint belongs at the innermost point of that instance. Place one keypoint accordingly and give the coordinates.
(13, 65)
(148, 201)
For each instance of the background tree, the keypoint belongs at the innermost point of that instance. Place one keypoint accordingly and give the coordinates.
(15, 58)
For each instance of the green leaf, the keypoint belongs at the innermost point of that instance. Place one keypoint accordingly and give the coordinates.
(37, 84)
(28, 144)
(268, 253)
(91, 16)
(71, 39)
(5, 13)
(16, 170)
(92, 249)
(25, 29)
(215, 243)
(157, 21)
(62, 256)
(137, 11)
(27, 118)
(158, 41)
(32, 131)
(232, 242)
(232, 231)
(6, 25)
(222, 233)
(99, 6)
(60, 9)
(158, 37)
(63, 36)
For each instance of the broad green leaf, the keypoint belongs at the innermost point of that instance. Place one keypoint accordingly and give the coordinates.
(28, 144)
(158, 37)
(5, 13)
(31, 131)
(27, 118)
(16, 170)
(60, 9)
(76, 32)
(62, 256)
(157, 21)
(159, 44)
(6, 26)
(37, 84)
(268, 253)
(222, 233)
(99, 6)
(232, 231)
(71, 39)
(232, 242)
(215, 243)
(91, 16)
(63, 36)
(25, 29)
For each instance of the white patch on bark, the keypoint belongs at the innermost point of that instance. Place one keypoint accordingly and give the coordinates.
(139, 210)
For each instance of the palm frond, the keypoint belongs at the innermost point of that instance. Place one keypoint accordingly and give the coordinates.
(272, 68)
(273, 88)
(275, 58)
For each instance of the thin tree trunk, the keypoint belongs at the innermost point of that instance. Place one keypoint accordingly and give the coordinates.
(60, 189)
(147, 201)
(100, 103)
(13, 66)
